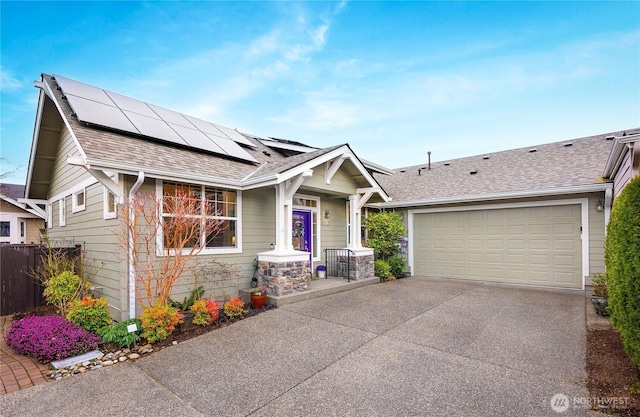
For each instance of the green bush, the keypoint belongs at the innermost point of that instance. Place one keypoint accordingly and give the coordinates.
(622, 259)
(64, 288)
(384, 229)
(90, 313)
(119, 335)
(397, 266)
(381, 269)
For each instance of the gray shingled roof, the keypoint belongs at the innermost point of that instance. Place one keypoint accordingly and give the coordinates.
(13, 191)
(551, 166)
(109, 146)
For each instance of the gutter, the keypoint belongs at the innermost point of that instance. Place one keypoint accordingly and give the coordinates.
(132, 272)
(580, 189)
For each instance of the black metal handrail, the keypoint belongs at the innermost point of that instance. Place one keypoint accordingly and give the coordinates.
(340, 262)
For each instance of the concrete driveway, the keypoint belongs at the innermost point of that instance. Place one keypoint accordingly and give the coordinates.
(412, 347)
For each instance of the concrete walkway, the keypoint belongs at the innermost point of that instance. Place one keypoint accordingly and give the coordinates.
(412, 347)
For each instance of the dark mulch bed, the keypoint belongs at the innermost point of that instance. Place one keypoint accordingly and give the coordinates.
(181, 336)
(610, 373)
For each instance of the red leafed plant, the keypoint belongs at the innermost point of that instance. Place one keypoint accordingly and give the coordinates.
(206, 312)
(234, 308)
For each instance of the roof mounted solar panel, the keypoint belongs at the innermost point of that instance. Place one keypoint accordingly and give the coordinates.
(235, 136)
(100, 114)
(154, 128)
(231, 147)
(136, 106)
(171, 116)
(197, 139)
(85, 91)
(122, 113)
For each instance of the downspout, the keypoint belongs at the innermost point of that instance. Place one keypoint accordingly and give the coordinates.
(132, 272)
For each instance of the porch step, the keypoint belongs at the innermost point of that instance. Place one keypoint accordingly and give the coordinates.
(319, 288)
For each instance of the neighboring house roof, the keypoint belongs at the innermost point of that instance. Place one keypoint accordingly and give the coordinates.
(567, 167)
(12, 191)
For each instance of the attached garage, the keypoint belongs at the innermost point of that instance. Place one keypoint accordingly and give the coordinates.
(539, 244)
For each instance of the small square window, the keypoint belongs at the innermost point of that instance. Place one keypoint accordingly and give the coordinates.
(78, 201)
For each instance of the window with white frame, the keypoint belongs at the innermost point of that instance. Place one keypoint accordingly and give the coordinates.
(110, 204)
(219, 205)
(110, 209)
(62, 213)
(5, 229)
(22, 229)
(78, 201)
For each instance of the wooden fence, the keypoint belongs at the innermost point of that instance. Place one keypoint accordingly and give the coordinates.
(20, 292)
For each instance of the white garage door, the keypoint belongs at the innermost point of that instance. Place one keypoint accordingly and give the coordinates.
(528, 245)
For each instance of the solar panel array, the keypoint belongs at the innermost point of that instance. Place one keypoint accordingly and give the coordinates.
(104, 108)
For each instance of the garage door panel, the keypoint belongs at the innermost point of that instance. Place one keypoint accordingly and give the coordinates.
(519, 244)
(516, 259)
(540, 259)
(531, 245)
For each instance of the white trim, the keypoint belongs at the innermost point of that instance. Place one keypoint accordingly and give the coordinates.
(75, 207)
(117, 198)
(161, 251)
(62, 212)
(584, 206)
(317, 249)
(49, 207)
(69, 191)
(580, 189)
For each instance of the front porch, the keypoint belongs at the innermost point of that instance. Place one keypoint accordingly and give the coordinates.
(318, 287)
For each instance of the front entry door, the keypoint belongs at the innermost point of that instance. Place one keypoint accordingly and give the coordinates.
(302, 231)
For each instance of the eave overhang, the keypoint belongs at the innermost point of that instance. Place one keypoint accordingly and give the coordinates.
(580, 189)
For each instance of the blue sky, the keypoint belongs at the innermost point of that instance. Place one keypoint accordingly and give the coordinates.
(392, 79)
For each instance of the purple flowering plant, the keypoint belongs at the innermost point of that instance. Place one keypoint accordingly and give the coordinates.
(49, 338)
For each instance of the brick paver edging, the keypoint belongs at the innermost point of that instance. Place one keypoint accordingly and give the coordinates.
(18, 371)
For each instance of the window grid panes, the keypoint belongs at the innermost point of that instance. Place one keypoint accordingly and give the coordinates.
(221, 207)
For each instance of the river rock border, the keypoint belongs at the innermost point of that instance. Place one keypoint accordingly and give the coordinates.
(103, 360)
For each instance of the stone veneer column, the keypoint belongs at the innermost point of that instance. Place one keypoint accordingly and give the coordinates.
(284, 272)
(361, 265)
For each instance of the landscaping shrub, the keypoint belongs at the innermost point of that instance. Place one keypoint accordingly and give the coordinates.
(381, 269)
(384, 229)
(206, 312)
(234, 308)
(64, 288)
(397, 266)
(622, 259)
(159, 322)
(49, 338)
(119, 335)
(90, 313)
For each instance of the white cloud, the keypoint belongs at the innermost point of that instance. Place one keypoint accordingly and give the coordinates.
(8, 82)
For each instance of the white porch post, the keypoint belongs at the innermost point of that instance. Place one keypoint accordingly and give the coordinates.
(354, 232)
(281, 219)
